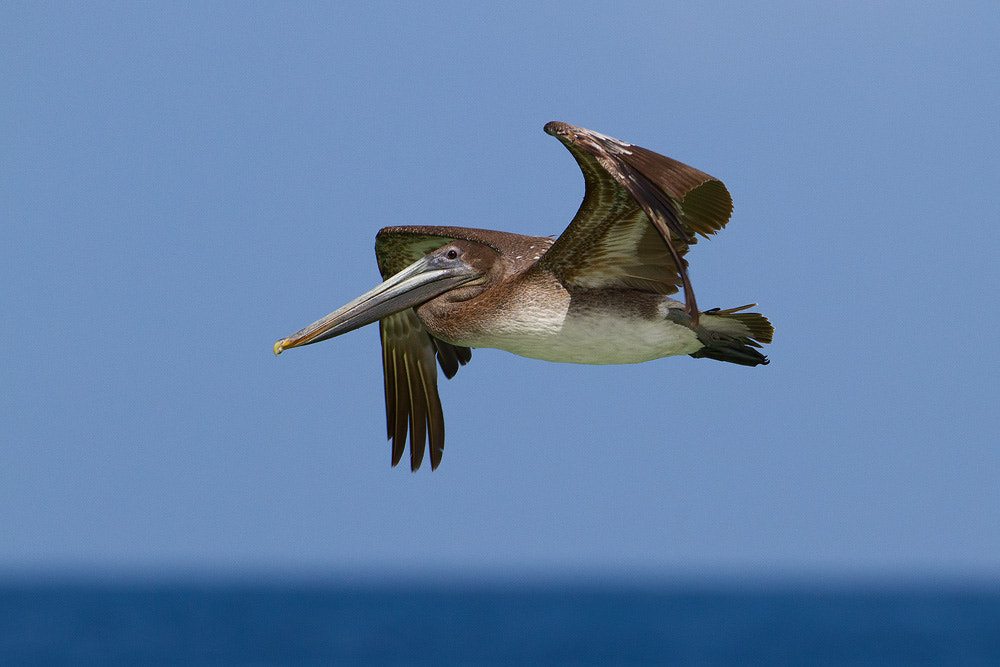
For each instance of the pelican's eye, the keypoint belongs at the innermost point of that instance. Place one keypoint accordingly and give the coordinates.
(451, 254)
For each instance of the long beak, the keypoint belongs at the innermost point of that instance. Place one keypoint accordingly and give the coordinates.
(416, 284)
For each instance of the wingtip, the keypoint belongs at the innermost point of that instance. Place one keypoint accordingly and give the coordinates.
(556, 127)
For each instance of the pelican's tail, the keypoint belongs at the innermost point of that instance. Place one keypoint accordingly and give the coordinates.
(733, 336)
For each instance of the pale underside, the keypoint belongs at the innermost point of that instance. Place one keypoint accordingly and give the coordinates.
(583, 329)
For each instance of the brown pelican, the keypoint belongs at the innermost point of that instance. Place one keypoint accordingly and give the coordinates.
(597, 294)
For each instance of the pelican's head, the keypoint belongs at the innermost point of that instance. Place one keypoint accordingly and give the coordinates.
(451, 266)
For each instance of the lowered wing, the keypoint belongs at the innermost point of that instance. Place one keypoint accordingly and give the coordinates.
(408, 353)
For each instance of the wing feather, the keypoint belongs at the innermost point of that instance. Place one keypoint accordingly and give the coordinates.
(412, 404)
(417, 392)
(640, 213)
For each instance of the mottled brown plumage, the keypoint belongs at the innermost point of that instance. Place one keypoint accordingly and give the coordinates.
(602, 284)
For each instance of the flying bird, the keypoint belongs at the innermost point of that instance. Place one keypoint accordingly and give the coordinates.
(597, 294)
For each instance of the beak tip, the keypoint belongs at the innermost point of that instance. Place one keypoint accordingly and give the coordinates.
(279, 347)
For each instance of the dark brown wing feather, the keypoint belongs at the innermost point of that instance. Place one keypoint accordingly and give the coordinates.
(411, 397)
(640, 213)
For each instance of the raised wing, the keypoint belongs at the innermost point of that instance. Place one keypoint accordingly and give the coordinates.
(640, 213)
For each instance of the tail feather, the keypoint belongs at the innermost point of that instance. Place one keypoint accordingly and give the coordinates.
(731, 335)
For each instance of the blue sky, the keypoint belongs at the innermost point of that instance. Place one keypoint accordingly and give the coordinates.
(183, 184)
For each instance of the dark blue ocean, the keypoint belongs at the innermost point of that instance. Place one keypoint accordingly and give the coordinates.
(299, 624)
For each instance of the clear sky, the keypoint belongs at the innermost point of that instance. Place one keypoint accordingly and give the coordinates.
(181, 184)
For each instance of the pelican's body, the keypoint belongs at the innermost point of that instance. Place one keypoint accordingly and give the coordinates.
(540, 318)
(598, 294)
